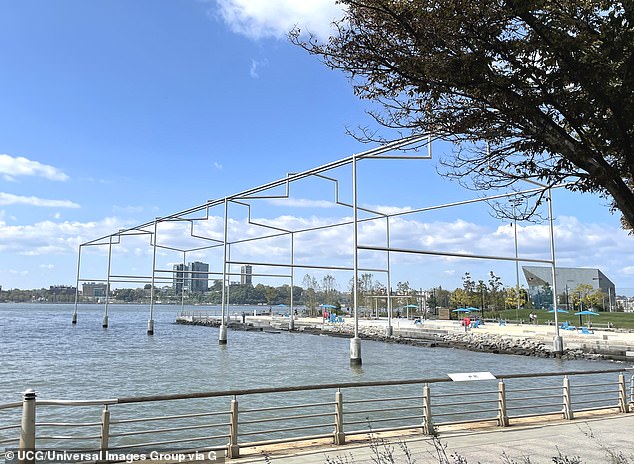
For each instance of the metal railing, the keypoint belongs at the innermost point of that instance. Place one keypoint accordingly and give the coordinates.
(226, 421)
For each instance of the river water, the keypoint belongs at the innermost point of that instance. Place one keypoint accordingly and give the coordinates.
(41, 349)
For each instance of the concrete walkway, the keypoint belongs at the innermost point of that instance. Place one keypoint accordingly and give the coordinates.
(592, 439)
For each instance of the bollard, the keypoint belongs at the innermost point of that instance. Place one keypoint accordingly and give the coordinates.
(104, 322)
(623, 405)
(291, 323)
(389, 331)
(105, 430)
(27, 431)
(74, 320)
(340, 436)
(503, 418)
(428, 426)
(355, 351)
(233, 449)
(567, 406)
(150, 327)
(222, 334)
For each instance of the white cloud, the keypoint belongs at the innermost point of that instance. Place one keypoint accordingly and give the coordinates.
(11, 199)
(255, 65)
(12, 167)
(217, 165)
(43, 238)
(259, 19)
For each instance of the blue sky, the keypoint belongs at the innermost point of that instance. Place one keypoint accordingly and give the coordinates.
(117, 112)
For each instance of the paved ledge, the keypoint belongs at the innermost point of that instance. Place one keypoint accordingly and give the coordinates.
(590, 437)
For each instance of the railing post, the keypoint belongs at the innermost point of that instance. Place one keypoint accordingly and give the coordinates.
(503, 418)
(632, 392)
(623, 405)
(567, 406)
(233, 450)
(27, 431)
(105, 430)
(340, 435)
(428, 426)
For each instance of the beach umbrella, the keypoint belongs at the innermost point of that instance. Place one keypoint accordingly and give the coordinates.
(586, 312)
(410, 306)
(461, 310)
(327, 306)
(471, 308)
(558, 310)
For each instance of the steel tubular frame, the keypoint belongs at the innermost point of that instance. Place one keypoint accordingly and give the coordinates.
(198, 214)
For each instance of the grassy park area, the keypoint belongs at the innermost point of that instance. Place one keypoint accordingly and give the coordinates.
(617, 320)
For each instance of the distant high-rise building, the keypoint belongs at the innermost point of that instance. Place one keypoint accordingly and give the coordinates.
(199, 277)
(246, 275)
(179, 278)
(192, 277)
(94, 290)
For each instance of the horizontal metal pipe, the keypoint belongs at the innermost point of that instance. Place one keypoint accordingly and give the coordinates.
(372, 400)
(479, 411)
(383, 419)
(518, 390)
(285, 418)
(287, 429)
(594, 401)
(525, 398)
(8, 427)
(11, 405)
(179, 416)
(170, 442)
(537, 414)
(68, 424)
(588, 385)
(366, 411)
(67, 437)
(532, 406)
(171, 429)
(293, 406)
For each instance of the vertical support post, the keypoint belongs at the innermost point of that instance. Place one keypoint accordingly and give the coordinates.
(389, 331)
(355, 343)
(623, 404)
(222, 333)
(291, 314)
(105, 431)
(558, 343)
(503, 418)
(428, 426)
(74, 319)
(632, 392)
(150, 322)
(340, 435)
(27, 430)
(233, 450)
(104, 323)
(567, 405)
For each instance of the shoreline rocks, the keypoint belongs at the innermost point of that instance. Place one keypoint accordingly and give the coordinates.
(472, 341)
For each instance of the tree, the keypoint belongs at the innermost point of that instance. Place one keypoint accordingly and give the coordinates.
(310, 293)
(548, 84)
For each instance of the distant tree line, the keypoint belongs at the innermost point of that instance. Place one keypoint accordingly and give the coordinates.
(488, 294)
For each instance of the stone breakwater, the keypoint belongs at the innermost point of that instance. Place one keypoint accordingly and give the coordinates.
(472, 340)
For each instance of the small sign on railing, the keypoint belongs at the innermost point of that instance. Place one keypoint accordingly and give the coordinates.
(467, 376)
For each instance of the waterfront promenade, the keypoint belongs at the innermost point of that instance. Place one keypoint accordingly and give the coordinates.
(592, 439)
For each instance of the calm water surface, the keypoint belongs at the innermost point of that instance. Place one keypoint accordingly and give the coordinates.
(41, 349)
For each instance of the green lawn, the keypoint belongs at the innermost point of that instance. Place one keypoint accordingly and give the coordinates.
(618, 320)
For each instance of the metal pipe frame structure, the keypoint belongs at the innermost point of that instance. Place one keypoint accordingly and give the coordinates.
(206, 242)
